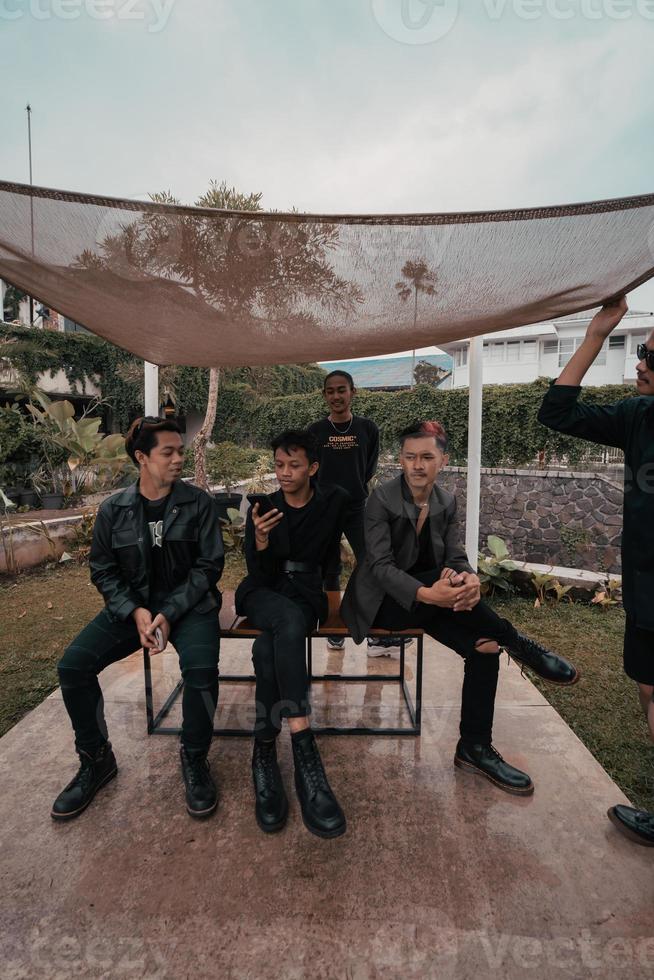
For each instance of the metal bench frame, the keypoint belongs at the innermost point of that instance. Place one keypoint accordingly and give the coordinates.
(155, 722)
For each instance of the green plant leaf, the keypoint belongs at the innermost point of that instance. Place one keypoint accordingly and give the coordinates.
(497, 546)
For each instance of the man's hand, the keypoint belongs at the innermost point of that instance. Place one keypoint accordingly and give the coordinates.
(471, 590)
(143, 619)
(441, 593)
(607, 319)
(263, 525)
(159, 622)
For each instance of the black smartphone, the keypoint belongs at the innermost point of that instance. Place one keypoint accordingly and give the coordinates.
(264, 501)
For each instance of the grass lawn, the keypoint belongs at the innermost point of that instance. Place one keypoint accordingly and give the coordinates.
(41, 612)
(602, 708)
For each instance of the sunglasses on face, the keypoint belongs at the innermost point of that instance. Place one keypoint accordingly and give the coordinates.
(643, 354)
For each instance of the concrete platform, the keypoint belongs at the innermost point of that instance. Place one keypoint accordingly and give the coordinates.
(440, 874)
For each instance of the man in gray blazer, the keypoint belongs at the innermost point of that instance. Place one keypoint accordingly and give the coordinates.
(416, 574)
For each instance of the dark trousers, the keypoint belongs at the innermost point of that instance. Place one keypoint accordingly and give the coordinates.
(279, 655)
(460, 631)
(353, 531)
(195, 637)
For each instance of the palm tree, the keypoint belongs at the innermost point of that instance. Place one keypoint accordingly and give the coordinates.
(418, 279)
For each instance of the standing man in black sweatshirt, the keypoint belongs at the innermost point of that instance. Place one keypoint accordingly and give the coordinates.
(348, 447)
(629, 425)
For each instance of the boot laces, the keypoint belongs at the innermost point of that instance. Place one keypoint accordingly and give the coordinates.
(264, 763)
(312, 765)
(198, 769)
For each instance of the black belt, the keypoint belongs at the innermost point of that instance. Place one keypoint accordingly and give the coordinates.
(301, 566)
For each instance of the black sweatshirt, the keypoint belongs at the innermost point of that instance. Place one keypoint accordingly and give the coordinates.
(348, 455)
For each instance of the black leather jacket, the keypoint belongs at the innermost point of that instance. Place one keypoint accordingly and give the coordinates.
(193, 552)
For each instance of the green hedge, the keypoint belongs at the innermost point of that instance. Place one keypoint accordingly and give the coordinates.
(511, 434)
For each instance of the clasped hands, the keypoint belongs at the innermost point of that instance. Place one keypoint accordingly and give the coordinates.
(146, 626)
(459, 591)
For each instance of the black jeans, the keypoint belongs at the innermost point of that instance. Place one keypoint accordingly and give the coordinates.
(460, 631)
(279, 655)
(353, 531)
(197, 640)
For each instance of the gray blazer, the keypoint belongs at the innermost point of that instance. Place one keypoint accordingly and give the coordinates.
(392, 547)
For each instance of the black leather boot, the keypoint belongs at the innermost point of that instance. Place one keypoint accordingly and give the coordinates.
(201, 792)
(542, 661)
(637, 825)
(271, 803)
(486, 761)
(320, 810)
(94, 772)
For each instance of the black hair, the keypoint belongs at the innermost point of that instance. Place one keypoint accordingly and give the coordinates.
(291, 439)
(418, 430)
(343, 374)
(142, 434)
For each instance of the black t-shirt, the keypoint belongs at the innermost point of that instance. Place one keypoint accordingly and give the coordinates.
(348, 454)
(425, 561)
(154, 513)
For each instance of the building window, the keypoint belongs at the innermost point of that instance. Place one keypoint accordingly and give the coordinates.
(550, 347)
(616, 343)
(497, 352)
(566, 350)
(513, 350)
(529, 350)
(461, 357)
(568, 345)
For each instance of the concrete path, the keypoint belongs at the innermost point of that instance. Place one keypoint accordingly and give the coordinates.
(440, 874)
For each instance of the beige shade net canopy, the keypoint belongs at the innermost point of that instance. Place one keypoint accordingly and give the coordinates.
(182, 285)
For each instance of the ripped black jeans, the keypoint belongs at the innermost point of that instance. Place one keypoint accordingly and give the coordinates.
(460, 631)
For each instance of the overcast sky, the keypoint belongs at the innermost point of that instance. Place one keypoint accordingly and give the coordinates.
(334, 105)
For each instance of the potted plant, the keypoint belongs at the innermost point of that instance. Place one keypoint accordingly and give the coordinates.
(73, 452)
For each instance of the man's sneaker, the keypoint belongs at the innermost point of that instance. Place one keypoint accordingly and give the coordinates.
(637, 825)
(321, 812)
(335, 642)
(94, 772)
(271, 804)
(387, 646)
(485, 760)
(201, 793)
(548, 665)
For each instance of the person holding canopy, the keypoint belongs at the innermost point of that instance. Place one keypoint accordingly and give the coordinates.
(628, 425)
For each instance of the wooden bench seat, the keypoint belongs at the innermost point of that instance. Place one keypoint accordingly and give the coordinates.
(233, 626)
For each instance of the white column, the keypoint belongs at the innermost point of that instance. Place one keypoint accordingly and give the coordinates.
(151, 375)
(475, 381)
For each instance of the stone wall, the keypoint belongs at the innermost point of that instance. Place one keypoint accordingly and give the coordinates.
(548, 516)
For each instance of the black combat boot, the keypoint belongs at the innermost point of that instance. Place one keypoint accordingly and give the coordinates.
(95, 770)
(320, 810)
(637, 825)
(201, 793)
(486, 761)
(271, 803)
(548, 665)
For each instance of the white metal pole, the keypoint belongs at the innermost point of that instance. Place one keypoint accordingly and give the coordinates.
(475, 386)
(151, 378)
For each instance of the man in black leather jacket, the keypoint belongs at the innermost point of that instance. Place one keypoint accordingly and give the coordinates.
(156, 556)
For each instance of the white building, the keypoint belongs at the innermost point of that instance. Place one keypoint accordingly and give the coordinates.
(523, 354)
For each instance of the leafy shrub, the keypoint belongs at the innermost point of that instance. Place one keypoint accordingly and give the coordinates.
(227, 463)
